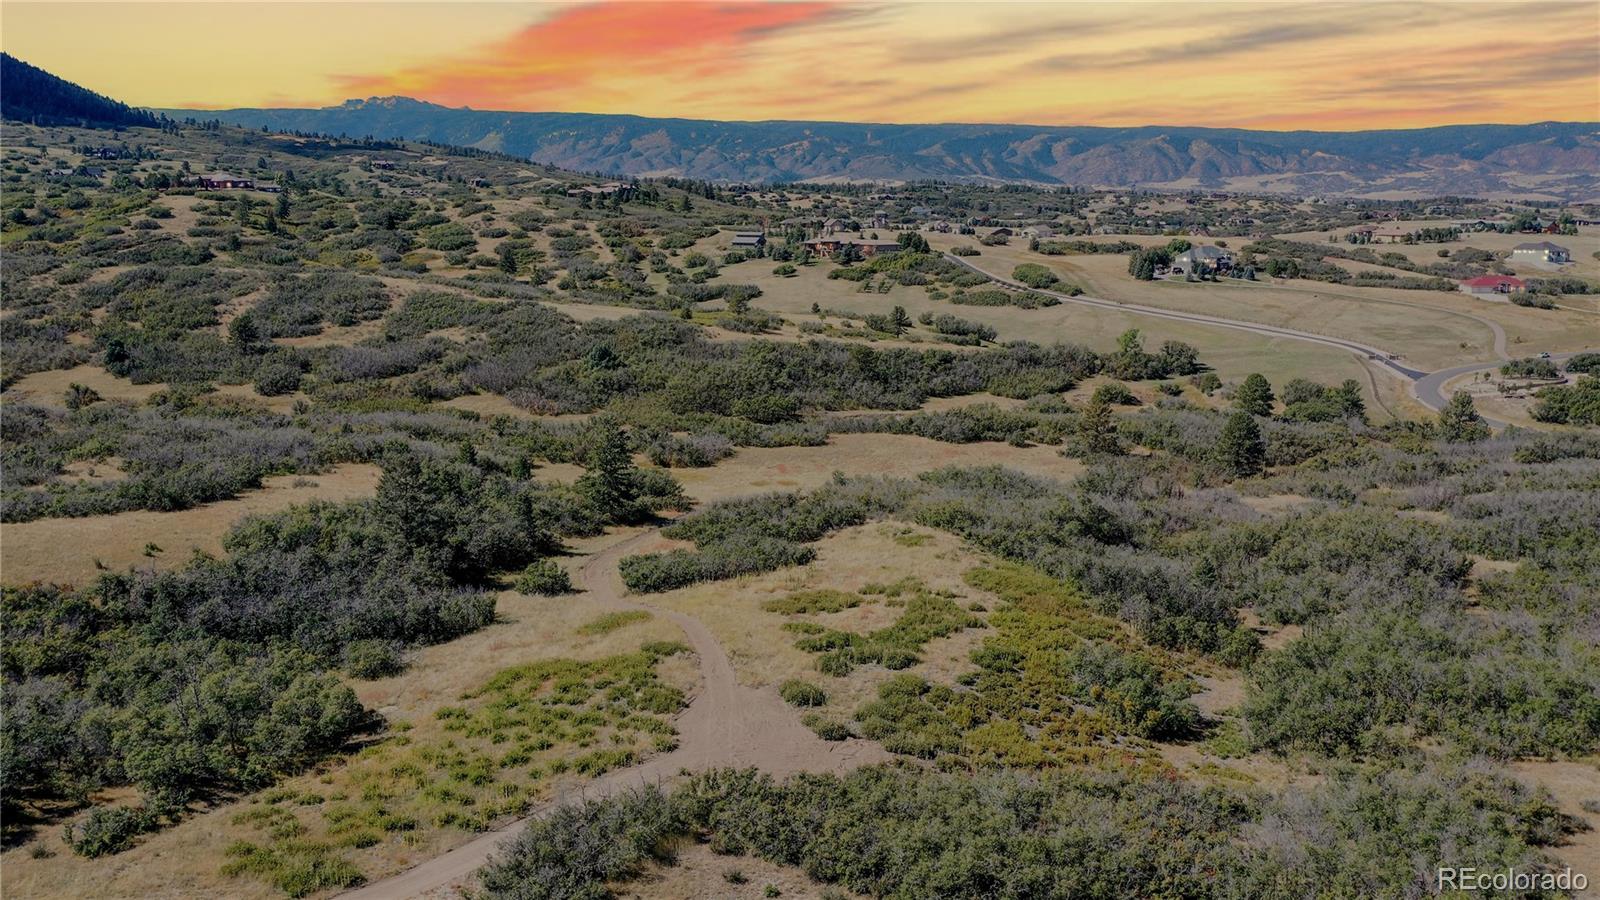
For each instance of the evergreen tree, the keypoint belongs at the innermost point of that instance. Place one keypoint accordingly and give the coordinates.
(1097, 429)
(1255, 395)
(1350, 400)
(1459, 421)
(899, 319)
(611, 482)
(243, 333)
(1240, 448)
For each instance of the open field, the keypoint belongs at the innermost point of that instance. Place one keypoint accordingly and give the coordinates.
(76, 551)
(1232, 354)
(759, 469)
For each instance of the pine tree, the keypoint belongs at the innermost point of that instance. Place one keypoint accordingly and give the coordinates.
(1350, 400)
(1240, 448)
(1255, 395)
(1097, 429)
(1459, 422)
(899, 319)
(610, 483)
(243, 333)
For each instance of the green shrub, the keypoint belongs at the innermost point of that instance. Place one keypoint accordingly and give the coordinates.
(605, 624)
(826, 728)
(1116, 394)
(373, 659)
(543, 577)
(109, 829)
(802, 693)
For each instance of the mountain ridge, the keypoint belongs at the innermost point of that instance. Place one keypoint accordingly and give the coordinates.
(1543, 159)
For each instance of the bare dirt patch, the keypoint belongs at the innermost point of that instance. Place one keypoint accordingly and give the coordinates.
(49, 388)
(1571, 783)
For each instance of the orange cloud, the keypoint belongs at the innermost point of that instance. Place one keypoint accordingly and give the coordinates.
(597, 49)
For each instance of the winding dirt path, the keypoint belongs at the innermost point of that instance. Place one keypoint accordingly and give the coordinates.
(726, 724)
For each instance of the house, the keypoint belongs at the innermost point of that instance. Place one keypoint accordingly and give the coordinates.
(224, 181)
(1039, 231)
(383, 164)
(828, 246)
(602, 191)
(269, 187)
(1493, 286)
(1202, 258)
(833, 226)
(749, 240)
(94, 171)
(1541, 253)
(1390, 235)
(1002, 232)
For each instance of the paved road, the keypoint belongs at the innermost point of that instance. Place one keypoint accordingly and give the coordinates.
(1428, 388)
(726, 724)
(1363, 350)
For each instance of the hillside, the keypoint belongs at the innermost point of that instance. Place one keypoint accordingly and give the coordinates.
(33, 95)
(1479, 160)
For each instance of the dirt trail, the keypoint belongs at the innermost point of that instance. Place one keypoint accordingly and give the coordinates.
(726, 724)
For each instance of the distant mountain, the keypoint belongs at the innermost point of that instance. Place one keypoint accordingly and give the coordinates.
(1555, 159)
(30, 94)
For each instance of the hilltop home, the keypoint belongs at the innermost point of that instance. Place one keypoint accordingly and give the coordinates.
(224, 181)
(1493, 286)
(602, 191)
(1202, 258)
(1541, 252)
(749, 240)
(828, 246)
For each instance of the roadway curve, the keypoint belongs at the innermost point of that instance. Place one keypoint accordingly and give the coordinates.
(1429, 388)
(726, 724)
(1360, 349)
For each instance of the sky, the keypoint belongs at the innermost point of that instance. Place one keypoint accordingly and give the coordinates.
(1271, 64)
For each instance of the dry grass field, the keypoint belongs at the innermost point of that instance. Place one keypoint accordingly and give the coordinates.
(760, 469)
(49, 388)
(76, 551)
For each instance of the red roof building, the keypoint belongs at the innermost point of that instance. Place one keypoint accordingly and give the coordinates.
(1489, 285)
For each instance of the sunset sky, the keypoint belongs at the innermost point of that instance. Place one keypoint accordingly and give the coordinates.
(1278, 65)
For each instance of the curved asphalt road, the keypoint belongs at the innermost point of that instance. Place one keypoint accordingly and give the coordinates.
(1428, 388)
